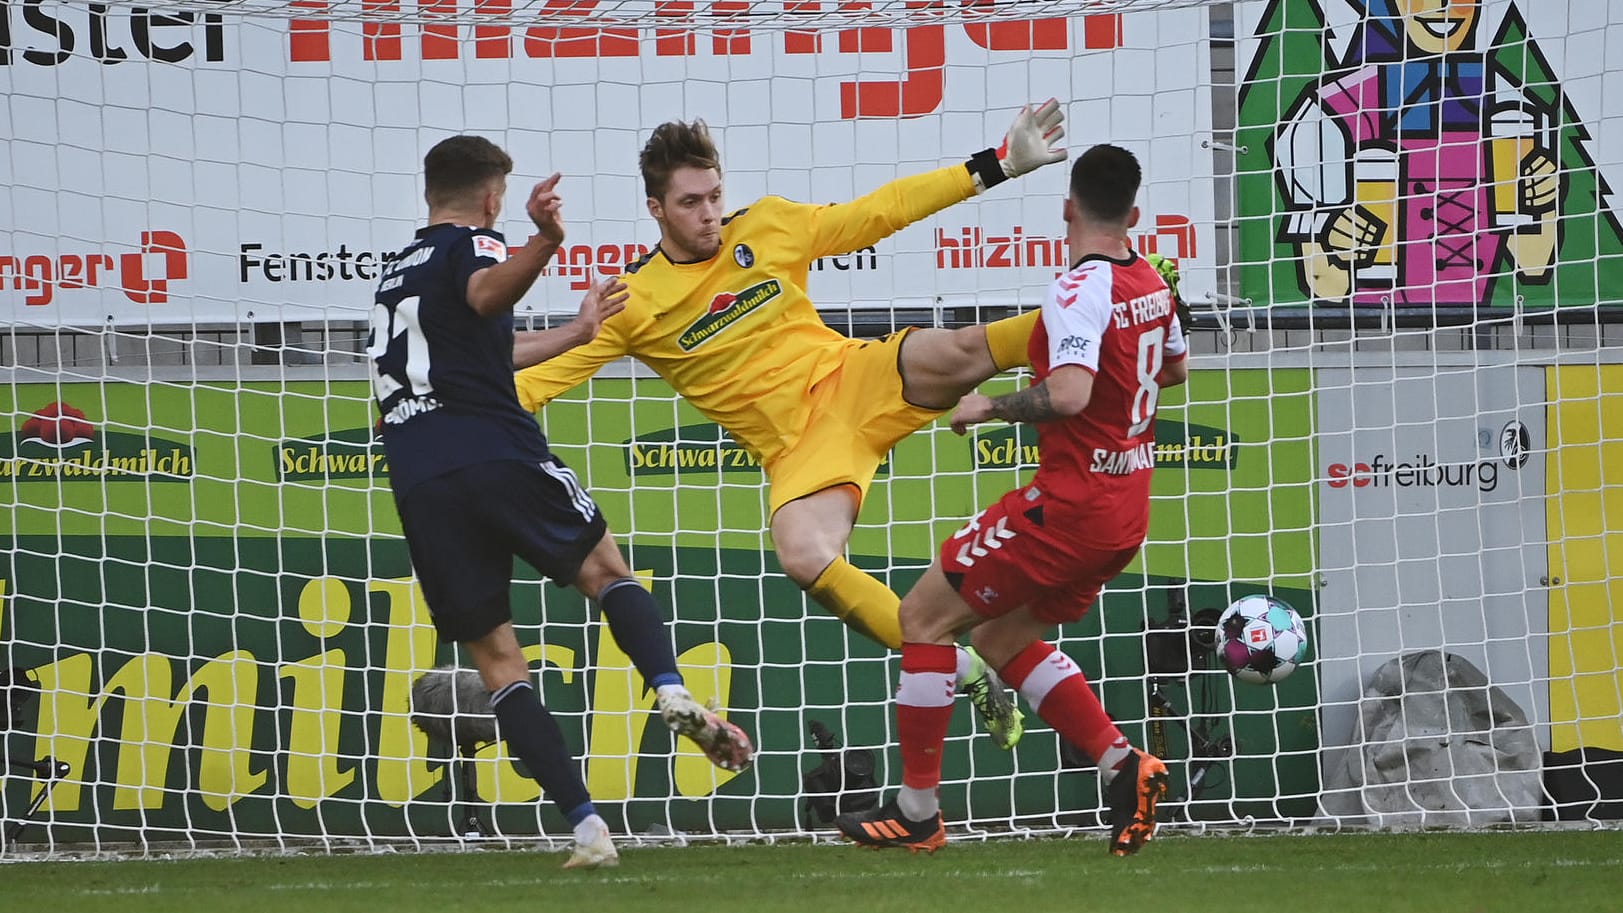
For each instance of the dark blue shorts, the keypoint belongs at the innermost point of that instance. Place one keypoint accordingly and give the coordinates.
(464, 528)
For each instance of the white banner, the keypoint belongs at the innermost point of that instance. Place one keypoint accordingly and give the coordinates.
(1431, 529)
(201, 168)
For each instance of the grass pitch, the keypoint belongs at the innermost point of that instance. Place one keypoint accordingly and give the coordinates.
(1514, 872)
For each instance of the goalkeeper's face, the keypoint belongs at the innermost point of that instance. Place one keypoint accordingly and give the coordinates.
(689, 214)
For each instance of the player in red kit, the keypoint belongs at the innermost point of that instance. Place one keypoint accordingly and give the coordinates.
(1106, 345)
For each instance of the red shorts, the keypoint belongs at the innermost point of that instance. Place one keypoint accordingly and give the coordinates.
(1021, 551)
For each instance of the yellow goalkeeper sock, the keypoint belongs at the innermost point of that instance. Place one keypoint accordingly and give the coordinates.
(863, 603)
(1007, 338)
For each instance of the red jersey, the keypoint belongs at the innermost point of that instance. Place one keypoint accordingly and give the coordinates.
(1114, 318)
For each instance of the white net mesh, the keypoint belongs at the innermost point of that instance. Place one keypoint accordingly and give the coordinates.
(208, 610)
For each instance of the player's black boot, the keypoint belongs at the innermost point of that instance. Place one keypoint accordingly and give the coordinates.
(887, 826)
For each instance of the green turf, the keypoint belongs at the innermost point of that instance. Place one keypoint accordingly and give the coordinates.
(1517, 872)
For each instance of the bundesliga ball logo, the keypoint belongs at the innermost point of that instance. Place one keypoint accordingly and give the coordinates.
(1261, 639)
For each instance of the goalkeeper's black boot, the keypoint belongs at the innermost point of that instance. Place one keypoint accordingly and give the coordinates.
(887, 826)
(1140, 783)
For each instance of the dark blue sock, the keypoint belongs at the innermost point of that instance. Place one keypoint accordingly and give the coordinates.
(533, 737)
(639, 628)
(581, 813)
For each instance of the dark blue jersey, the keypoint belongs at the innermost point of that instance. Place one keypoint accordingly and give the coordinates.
(442, 374)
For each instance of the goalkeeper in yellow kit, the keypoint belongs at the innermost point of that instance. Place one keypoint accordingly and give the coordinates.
(719, 309)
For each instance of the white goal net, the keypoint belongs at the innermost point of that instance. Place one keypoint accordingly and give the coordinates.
(1394, 224)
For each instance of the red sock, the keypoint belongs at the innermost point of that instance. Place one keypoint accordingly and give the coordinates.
(924, 700)
(1053, 685)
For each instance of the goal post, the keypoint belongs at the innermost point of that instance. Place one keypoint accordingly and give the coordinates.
(207, 606)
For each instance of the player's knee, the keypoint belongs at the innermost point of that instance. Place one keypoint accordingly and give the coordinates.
(923, 623)
(952, 358)
(972, 358)
(499, 672)
(499, 659)
(804, 562)
(994, 645)
(602, 566)
(913, 620)
(591, 581)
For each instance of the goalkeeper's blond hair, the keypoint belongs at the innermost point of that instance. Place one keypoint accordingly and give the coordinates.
(676, 144)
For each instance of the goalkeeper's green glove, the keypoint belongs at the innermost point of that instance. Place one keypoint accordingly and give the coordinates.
(1169, 273)
(1027, 146)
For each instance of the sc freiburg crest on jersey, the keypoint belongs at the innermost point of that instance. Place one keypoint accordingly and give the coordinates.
(442, 374)
(1114, 319)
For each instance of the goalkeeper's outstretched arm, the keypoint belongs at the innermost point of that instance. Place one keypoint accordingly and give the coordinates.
(603, 300)
(1029, 145)
(554, 361)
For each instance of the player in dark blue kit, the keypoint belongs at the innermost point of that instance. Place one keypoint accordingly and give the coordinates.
(475, 482)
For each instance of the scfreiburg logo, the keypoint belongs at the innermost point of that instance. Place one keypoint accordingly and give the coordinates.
(1515, 444)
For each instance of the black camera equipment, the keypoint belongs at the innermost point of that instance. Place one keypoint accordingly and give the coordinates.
(452, 707)
(1172, 650)
(17, 690)
(843, 782)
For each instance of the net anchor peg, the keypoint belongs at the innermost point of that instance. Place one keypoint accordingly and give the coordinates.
(1549, 581)
(1225, 147)
(1228, 302)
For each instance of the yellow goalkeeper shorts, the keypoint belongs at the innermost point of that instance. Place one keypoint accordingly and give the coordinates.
(857, 415)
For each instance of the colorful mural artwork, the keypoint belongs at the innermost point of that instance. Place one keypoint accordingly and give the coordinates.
(1418, 153)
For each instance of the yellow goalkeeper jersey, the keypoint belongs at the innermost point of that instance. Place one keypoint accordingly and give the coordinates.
(737, 335)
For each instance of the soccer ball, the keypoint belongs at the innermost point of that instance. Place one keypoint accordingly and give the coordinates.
(1260, 639)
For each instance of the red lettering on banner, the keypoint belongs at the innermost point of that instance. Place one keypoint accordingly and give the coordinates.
(493, 42)
(1177, 229)
(584, 263)
(731, 41)
(972, 247)
(440, 42)
(551, 41)
(1101, 32)
(380, 40)
(799, 41)
(919, 92)
(308, 38)
(674, 42)
(865, 40)
(39, 276)
(143, 289)
(1034, 35)
(919, 89)
(1359, 475)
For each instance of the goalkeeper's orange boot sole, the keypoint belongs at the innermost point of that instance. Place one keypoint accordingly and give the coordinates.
(886, 826)
(1139, 785)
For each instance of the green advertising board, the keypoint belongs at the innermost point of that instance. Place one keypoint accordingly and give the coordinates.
(208, 584)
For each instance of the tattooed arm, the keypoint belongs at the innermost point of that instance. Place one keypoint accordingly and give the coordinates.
(1062, 394)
